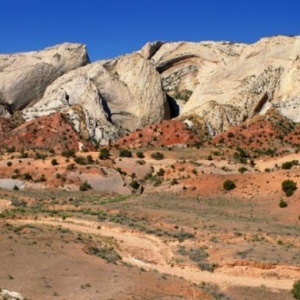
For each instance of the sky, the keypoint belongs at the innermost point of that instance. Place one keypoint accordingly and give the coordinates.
(113, 27)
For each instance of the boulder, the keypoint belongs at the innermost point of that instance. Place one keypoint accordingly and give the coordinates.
(8, 295)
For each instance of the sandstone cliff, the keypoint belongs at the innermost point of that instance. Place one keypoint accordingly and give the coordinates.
(24, 77)
(222, 83)
(226, 83)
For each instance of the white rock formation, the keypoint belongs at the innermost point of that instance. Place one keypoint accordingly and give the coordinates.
(225, 83)
(105, 96)
(24, 77)
(8, 295)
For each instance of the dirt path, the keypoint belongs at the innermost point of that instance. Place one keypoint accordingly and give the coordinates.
(150, 252)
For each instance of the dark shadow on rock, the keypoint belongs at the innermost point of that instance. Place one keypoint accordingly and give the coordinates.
(107, 110)
(174, 108)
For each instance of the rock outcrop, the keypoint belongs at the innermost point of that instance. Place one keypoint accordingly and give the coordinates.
(24, 77)
(227, 83)
(107, 97)
(8, 295)
(222, 83)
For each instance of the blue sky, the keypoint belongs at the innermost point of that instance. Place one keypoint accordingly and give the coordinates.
(113, 27)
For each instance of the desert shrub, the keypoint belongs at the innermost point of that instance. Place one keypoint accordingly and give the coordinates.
(121, 171)
(23, 154)
(81, 160)
(39, 155)
(54, 162)
(289, 186)
(241, 155)
(125, 153)
(68, 153)
(15, 188)
(252, 163)
(134, 184)
(161, 172)
(104, 153)
(157, 155)
(90, 159)
(296, 289)
(289, 164)
(140, 154)
(243, 170)
(85, 186)
(11, 149)
(104, 252)
(283, 203)
(140, 162)
(174, 181)
(71, 167)
(195, 254)
(183, 235)
(9, 163)
(27, 176)
(229, 185)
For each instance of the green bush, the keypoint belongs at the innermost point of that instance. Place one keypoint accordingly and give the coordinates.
(104, 153)
(157, 155)
(81, 160)
(40, 156)
(161, 172)
(296, 290)
(134, 184)
(140, 154)
(11, 149)
(27, 176)
(85, 186)
(283, 203)
(174, 181)
(289, 186)
(54, 162)
(229, 185)
(125, 153)
(68, 153)
(289, 164)
(243, 170)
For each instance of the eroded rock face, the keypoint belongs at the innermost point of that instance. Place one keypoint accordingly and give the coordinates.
(24, 77)
(226, 83)
(107, 97)
(222, 83)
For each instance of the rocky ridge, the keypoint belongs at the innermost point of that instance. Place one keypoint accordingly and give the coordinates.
(222, 83)
(227, 83)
